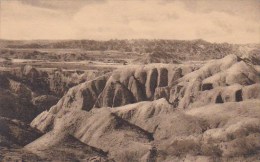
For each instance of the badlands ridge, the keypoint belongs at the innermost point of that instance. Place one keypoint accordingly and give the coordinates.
(156, 112)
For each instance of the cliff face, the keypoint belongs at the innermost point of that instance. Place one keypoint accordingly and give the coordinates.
(26, 92)
(15, 100)
(125, 86)
(166, 111)
(20, 100)
(55, 82)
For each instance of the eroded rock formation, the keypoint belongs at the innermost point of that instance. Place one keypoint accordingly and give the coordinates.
(168, 112)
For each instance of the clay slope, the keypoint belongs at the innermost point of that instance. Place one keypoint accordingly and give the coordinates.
(63, 147)
(203, 133)
(226, 132)
(98, 128)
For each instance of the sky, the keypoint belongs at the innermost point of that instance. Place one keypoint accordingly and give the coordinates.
(232, 21)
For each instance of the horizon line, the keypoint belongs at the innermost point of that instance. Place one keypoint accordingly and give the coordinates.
(104, 40)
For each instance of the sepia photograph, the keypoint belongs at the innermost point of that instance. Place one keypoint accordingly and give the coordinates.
(130, 80)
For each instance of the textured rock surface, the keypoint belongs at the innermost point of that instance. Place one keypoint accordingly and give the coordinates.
(122, 87)
(215, 81)
(204, 132)
(44, 102)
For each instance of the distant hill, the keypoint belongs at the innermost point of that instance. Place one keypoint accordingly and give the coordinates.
(183, 49)
(156, 57)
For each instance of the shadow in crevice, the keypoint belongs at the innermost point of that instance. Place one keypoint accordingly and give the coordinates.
(206, 86)
(239, 95)
(219, 99)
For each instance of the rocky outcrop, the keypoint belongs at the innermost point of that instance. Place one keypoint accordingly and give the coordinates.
(82, 96)
(44, 102)
(51, 82)
(20, 89)
(18, 101)
(16, 107)
(215, 82)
